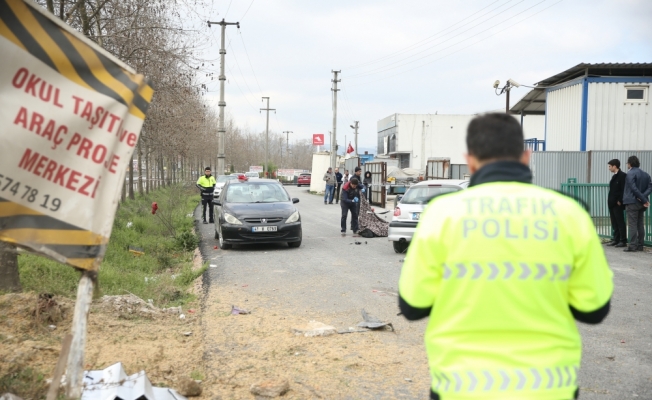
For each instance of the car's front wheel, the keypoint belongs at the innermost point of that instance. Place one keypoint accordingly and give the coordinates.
(400, 247)
(223, 246)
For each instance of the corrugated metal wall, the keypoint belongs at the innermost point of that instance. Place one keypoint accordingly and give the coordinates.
(552, 168)
(457, 171)
(615, 123)
(564, 118)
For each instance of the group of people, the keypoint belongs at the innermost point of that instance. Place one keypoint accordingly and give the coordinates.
(628, 194)
(351, 190)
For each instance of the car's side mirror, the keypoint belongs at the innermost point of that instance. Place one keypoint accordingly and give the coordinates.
(216, 202)
(295, 201)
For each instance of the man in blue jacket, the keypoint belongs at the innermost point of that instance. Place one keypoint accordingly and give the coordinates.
(638, 186)
(350, 202)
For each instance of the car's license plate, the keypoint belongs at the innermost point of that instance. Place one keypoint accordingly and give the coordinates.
(263, 229)
(415, 216)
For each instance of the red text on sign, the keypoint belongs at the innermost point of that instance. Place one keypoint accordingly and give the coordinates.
(37, 87)
(36, 123)
(59, 174)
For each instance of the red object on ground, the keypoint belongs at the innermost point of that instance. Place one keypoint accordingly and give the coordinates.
(214, 247)
(154, 207)
(191, 311)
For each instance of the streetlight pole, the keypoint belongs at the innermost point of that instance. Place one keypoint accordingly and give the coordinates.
(334, 133)
(220, 127)
(505, 89)
(287, 142)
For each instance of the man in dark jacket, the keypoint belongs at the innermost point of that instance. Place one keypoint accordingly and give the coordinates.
(338, 186)
(638, 187)
(350, 201)
(616, 206)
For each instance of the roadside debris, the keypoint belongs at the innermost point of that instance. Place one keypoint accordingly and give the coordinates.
(187, 333)
(213, 265)
(189, 387)
(270, 389)
(236, 311)
(130, 224)
(113, 382)
(314, 328)
(372, 322)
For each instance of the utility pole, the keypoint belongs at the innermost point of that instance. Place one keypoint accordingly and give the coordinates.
(356, 136)
(287, 142)
(334, 134)
(266, 134)
(220, 128)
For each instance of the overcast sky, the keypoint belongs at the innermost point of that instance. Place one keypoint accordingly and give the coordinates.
(407, 56)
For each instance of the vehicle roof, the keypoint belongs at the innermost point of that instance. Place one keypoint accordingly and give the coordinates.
(259, 180)
(442, 182)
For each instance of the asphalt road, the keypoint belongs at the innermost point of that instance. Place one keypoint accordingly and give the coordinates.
(331, 278)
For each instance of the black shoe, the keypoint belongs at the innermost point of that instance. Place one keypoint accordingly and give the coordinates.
(211, 221)
(630, 250)
(640, 248)
(620, 245)
(612, 243)
(205, 222)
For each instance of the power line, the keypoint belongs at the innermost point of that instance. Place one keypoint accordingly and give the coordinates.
(384, 69)
(250, 4)
(457, 51)
(228, 8)
(250, 64)
(417, 44)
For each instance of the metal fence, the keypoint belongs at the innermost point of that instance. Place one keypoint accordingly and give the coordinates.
(459, 171)
(594, 196)
(552, 168)
(438, 168)
(378, 181)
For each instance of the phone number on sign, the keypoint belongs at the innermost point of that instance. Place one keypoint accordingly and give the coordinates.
(18, 189)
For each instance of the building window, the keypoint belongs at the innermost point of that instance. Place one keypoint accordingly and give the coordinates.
(636, 94)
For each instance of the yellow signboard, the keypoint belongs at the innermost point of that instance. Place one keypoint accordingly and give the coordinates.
(70, 118)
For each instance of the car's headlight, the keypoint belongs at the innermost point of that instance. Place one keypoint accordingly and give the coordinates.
(231, 219)
(293, 218)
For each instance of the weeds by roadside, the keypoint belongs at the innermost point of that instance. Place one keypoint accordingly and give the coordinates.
(163, 273)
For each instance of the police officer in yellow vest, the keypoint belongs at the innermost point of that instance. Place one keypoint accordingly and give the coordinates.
(503, 269)
(207, 184)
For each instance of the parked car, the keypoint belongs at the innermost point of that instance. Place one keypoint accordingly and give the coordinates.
(259, 211)
(410, 206)
(252, 175)
(303, 179)
(221, 181)
(240, 175)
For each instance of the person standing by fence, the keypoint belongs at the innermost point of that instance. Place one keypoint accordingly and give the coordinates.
(638, 187)
(338, 186)
(329, 178)
(615, 204)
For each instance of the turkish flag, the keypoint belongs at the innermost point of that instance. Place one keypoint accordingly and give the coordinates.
(318, 139)
(349, 149)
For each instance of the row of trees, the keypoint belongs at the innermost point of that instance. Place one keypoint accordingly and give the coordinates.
(162, 40)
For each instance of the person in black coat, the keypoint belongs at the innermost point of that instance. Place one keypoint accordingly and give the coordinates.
(350, 202)
(616, 206)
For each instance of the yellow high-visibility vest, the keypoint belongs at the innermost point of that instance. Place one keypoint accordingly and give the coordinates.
(205, 182)
(500, 264)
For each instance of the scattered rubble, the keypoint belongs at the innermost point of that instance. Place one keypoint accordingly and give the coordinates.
(372, 322)
(235, 311)
(189, 387)
(270, 389)
(314, 328)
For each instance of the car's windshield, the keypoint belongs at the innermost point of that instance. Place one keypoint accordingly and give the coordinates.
(224, 178)
(423, 194)
(256, 193)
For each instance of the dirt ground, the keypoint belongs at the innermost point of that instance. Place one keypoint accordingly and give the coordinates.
(227, 353)
(121, 329)
(242, 350)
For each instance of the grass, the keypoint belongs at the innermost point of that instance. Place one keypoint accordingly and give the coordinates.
(27, 382)
(167, 262)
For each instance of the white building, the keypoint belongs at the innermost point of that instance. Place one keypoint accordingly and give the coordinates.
(594, 107)
(413, 138)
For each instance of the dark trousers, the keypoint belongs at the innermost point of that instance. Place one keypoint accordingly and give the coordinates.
(207, 201)
(338, 187)
(617, 214)
(635, 218)
(353, 207)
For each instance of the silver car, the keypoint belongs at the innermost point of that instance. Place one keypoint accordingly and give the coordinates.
(411, 205)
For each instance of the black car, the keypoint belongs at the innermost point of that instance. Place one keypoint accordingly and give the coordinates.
(257, 211)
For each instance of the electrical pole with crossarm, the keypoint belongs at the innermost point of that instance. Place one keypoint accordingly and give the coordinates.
(220, 128)
(266, 135)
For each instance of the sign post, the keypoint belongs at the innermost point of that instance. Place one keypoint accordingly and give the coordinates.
(70, 118)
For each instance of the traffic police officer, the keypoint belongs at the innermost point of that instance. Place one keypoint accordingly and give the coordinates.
(502, 269)
(207, 184)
